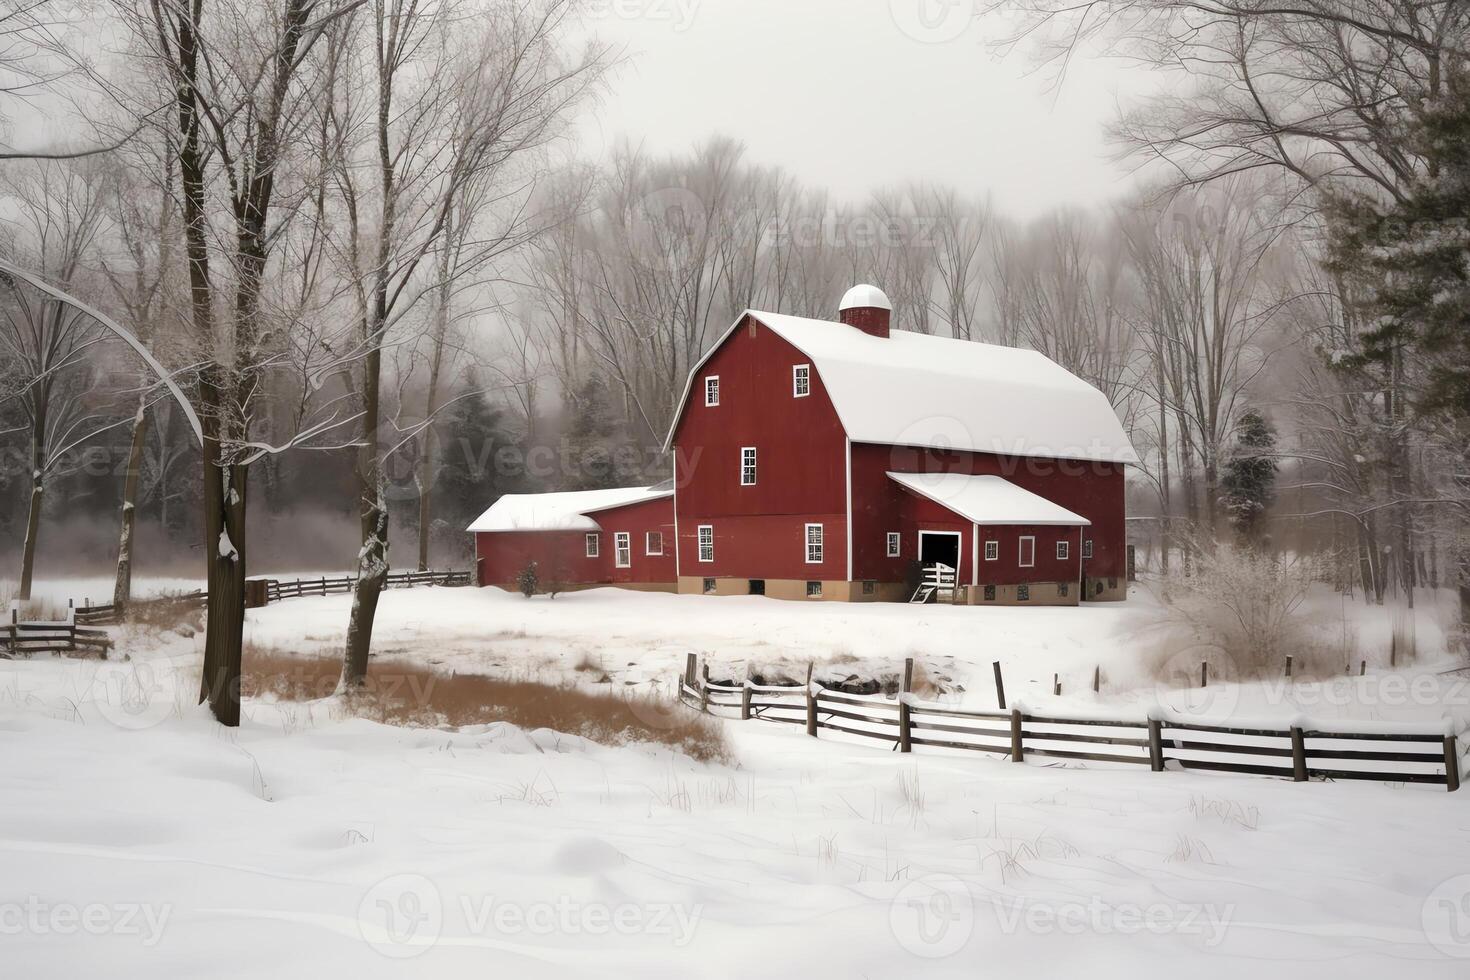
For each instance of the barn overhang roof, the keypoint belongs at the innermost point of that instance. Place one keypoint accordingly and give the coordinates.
(987, 500)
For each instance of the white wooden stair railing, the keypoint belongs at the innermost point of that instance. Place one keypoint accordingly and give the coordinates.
(938, 583)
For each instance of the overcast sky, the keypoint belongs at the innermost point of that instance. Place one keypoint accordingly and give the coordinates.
(856, 94)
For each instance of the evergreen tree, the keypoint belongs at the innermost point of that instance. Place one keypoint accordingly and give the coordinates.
(1413, 254)
(529, 582)
(1246, 486)
(594, 435)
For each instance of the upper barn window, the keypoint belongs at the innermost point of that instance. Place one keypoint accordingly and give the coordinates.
(1064, 550)
(594, 545)
(1027, 558)
(1087, 548)
(992, 550)
(814, 544)
(895, 544)
(712, 390)
(623, 549)
(653, 543)
(747, 466)
(706, 542)
(801, 381)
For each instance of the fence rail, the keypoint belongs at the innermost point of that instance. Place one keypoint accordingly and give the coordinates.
(66, 636)
(1388, 754)
(276, 590)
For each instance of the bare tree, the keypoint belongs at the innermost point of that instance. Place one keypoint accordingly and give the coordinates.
(59, 213)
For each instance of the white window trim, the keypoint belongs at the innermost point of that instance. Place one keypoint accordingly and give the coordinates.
(622, 542)
(806, 544)
(1064, 550)
(754, 465)
(796, 392)
(1021, 551)
(992, 550)
(895, 544)
(648, 543)
(707, 379)
(593, 545)
(699, 543)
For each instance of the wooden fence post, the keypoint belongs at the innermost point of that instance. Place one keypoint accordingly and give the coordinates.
(14, 627)
(1451, 764)
(1018, 750)
(1096, 678)
(1000, 686)
(904, 742)
(811, 705)
(1156, 745)
(1056, 684)
(745, 701)
(689, 669)
(1362, 667)
(1298, 755)
(1204, 673)
(324, 585)
(1288, 665)
(704, 688)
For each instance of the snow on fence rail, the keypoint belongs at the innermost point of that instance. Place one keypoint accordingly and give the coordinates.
(50, 637)
(1376, 751)
(274, 590)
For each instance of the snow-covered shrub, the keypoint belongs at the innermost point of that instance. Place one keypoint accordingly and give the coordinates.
(1244, 605)
(528, 581)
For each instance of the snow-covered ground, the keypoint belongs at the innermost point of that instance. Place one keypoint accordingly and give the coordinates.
(141, 840)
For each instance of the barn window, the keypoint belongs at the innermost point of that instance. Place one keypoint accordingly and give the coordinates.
(623, 549)
(653, 543)
(709, 586)
(1063, 589)
(747, 466)
(869, 587)
(1063, 550)
(990, 593)
(895, 544)
(992, 551)
(712, 390)
(1027, 557)
(1023, 593)
(801, 381)
(814, 590)
(594, 545)
(1087, 548)
(814, 544)
(706, 542)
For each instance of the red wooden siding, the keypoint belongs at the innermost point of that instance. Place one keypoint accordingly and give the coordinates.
(637, 520)
(1093, 490)
(801, 465)
(559, 555)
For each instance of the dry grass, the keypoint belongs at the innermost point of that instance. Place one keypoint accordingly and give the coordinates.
(399, 693)
(164, 615)
(31, 610)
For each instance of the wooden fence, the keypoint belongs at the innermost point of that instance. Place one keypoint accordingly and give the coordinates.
(66, 636)
(1389, 753)
(275, 590)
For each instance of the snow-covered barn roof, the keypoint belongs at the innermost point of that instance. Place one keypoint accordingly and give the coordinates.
(987, 499)
(565, 511)
(910, 389)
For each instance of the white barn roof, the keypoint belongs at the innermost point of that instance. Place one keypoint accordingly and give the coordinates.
(912, 389)
(987, 499)
(560, 511)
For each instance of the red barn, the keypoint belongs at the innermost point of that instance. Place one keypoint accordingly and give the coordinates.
(819, 459)
(579, 539)
(837, 458)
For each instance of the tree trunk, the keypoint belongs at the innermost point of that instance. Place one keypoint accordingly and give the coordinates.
(224, 541)
(122, 588)
(372, 559)
(33, 525)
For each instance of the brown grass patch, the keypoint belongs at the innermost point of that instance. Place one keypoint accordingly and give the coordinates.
(400, 693)
(165, 614)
